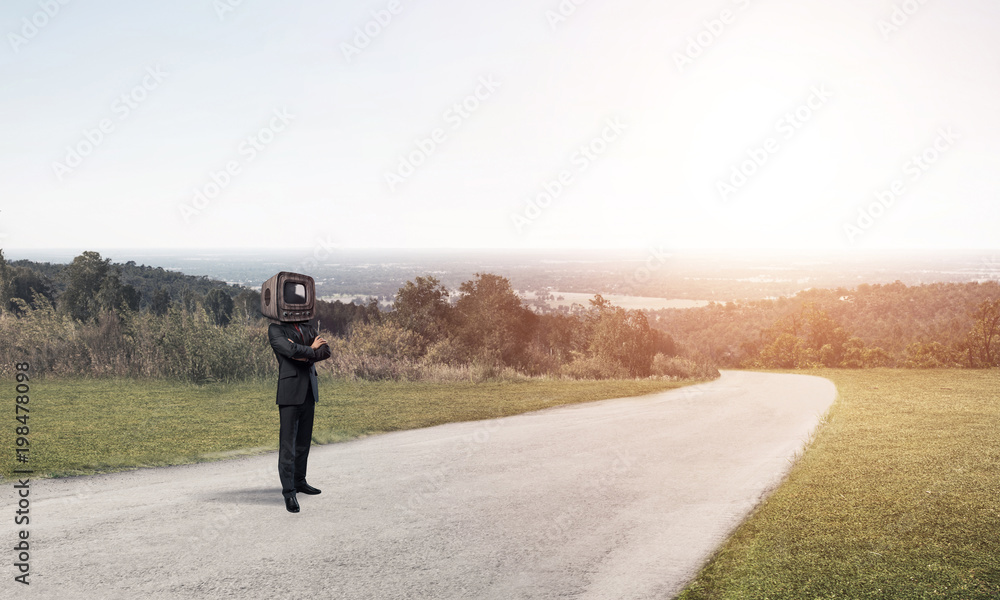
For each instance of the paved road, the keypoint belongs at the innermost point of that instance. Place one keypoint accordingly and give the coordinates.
(617, 499)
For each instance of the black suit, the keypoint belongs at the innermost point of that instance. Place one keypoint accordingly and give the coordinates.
(298, 393)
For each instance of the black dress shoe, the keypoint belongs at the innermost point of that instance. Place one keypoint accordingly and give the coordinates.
(305, 488)
(292, 503)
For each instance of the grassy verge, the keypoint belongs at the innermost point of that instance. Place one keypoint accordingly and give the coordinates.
(81, 426)
(898, 497)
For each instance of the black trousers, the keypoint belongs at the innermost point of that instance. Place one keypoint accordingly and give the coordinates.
(293, 443)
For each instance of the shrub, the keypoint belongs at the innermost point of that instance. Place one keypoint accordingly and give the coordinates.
(385, 340)
(539, 361)
(595, 367)
(930, 355)
(446, 352)
(682, 368)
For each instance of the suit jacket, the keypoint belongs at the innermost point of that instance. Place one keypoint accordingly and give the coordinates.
(295, 376)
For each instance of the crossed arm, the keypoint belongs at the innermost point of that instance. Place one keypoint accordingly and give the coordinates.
(320, 346)
(317, 351)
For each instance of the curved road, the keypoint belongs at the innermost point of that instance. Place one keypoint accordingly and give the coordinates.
(615, 499)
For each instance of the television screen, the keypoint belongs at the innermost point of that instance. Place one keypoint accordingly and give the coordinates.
(294, 293)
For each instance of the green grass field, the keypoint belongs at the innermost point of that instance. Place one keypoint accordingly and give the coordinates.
(898, 497)
(81, 426)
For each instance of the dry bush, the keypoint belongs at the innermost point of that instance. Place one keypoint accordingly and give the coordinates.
(677, 367)
(595, 367)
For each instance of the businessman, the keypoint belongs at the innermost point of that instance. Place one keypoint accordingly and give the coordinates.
(297, 346)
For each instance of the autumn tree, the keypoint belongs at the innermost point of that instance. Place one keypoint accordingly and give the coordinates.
(824, 336)
(492, 324)
(785, 352)
(983, 342)
(622, 337)
(421, 306)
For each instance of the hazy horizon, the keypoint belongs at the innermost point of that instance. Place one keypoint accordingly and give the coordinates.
(639, 275)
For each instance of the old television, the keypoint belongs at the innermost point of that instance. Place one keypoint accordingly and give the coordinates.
(288, 297)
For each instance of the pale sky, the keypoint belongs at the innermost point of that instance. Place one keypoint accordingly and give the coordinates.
(359, 141)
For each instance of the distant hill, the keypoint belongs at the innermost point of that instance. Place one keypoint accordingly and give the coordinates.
(145, 279)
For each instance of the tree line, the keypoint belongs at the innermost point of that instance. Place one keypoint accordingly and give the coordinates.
(940, 325)
(94, 318)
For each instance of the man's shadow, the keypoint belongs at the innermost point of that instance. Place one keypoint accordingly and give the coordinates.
(265, 495)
